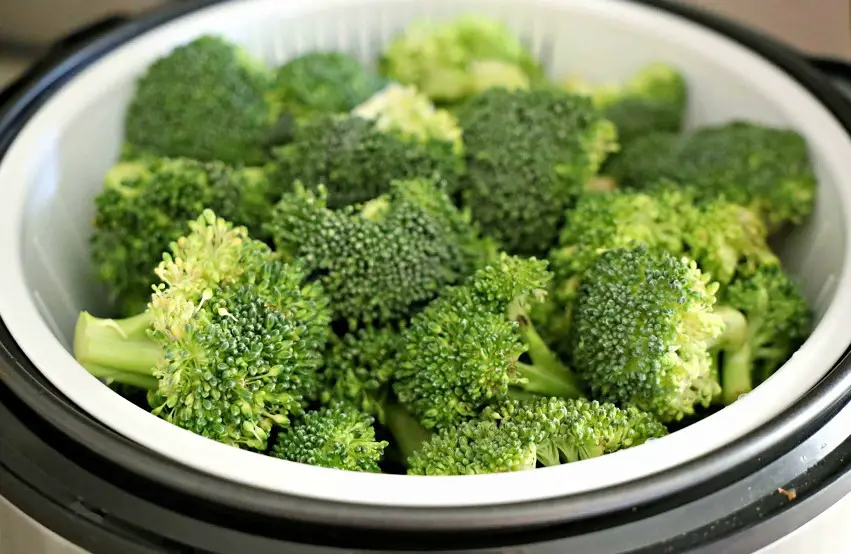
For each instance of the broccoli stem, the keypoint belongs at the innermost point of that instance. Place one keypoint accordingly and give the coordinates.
(119, 350)
(409, 435)
(546, 375)
(736, 371)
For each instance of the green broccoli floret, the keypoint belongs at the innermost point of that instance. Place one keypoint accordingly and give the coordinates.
(358, 369)
(643, 325)
(771, 319)
(356, 160)
(323, 83)
(337, 436)
(453, 60)
(144, 206)
(653, 100)
(766, 169)
(549, 431)
(474, 447)
(230, 343)
(463, 351)
(727, 238)
(530, 154)
(379, 260)
(569, 430)
(406, 110)
(598, 223)
(208, 100)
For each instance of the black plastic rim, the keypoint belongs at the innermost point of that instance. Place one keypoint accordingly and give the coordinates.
(159, 481)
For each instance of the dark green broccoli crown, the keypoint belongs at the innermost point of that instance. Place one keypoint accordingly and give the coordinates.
(461, 352)
(242, 335)
(653, 101)
(378, 261)
(763, 168)
(567, 430)
(336, 436)
(322, 83)
(779, 318)
(636, 117)
(529, 155)
(725, 238)
(357, 161)
(766, 169)
(145, 206)
(643, 325)
(473, 447)
(646, 162)
(205, 100)
(358, 369)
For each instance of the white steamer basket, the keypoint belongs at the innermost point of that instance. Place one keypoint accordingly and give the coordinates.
(56, 165)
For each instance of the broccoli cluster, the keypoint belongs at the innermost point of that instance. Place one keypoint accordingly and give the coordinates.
(452, 264)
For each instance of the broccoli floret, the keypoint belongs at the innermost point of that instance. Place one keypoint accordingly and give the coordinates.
(356, 161)
(406, 110)
(358, 369)
(453, 60)
(653, 100)
(766, 169)
(336, 436)
(323, 83)
(769, 319)
(208, 100)
(474, 447)
(463, 351)
(599, 222)
(569, 430)
(379, 260)
(725, 238)
(143, 207)
(549, 431)
(642, 329)
(530, 154)
(232, 337)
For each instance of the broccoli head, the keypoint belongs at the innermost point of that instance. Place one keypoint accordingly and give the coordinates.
(530, 154)
(358, 370)
(726, 238)
(230, 344)
(643, 325)
(766, 169)
(356, 160)
(463, 351)
(770, 318)
(379, 260)
(208, 100)
(144, 206)
(453, 60)
(406, 110)
(323, 83)
(519, 434)
(653, 100)
(336, 436)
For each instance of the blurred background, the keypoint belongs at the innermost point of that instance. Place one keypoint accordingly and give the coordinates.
(821, 27)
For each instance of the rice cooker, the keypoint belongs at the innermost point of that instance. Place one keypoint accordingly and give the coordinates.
(84, 470)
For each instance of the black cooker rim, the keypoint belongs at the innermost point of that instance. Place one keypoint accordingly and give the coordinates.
(726, 465)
